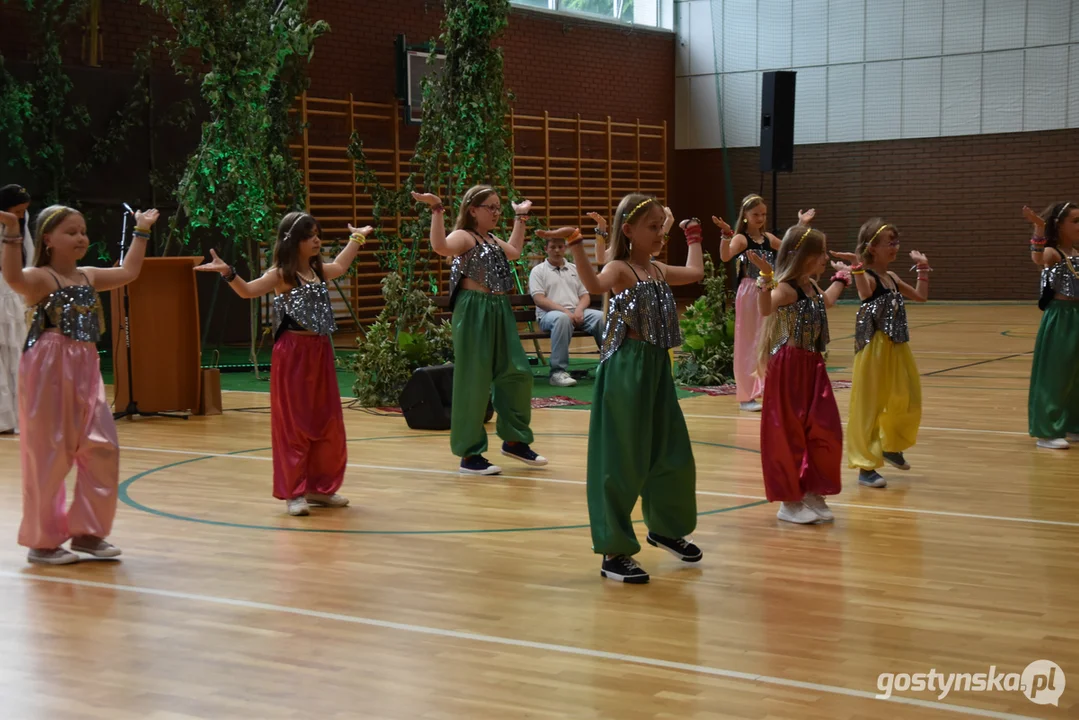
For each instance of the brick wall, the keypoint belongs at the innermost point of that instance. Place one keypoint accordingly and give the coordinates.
(957, 199)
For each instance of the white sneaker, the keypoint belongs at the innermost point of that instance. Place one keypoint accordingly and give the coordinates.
(561, 378)
(797, 512)
(751, 406)
(330, 501)
(298, 506)
(816, 503)
(1053, 443)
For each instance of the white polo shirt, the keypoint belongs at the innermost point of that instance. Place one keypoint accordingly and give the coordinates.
(560, 284)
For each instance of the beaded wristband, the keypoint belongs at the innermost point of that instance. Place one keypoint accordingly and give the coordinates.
(1035, 248)
(13, 240)
(438, 208)
(358, 238)
(766, 283)
(231, 276)
(602, 233)
(839, 278)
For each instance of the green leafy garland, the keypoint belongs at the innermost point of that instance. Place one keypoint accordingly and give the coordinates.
(463, 141)
(708, 332)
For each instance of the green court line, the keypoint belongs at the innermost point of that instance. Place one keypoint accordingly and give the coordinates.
(125, 497)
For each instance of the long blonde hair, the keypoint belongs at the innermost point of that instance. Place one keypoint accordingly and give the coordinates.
(748, 203)
(801, 245)
(474, 197)
(47, 221)
(630, 211)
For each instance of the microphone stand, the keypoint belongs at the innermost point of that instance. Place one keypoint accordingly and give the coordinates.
(132, 408)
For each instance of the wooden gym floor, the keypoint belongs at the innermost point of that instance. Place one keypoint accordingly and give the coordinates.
(439, 596)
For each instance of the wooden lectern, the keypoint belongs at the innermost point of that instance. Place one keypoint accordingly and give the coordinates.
(166, 352)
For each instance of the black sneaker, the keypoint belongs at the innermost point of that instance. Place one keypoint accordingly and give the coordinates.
(871, 478)
(624, 569)
(478, 465)
(897, 460)
(521, 451)
(679, 547)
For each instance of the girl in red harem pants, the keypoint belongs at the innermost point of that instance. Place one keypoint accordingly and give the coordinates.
(801, 433)
(307, 425)
(63, 415)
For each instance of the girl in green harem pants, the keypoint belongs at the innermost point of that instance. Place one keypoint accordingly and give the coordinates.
(1053, 402)
(638, 445)
(486, 348)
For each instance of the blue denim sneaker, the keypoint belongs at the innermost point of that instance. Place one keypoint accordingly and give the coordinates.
(478, 465)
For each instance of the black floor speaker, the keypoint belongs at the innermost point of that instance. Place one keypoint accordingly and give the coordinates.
(428, 396)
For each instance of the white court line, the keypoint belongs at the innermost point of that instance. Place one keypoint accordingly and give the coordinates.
(757, 417)
(562, 481)
(517, 643)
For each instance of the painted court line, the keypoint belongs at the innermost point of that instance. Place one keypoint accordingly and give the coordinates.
(526, 644)
(563, 481)
(974, 431)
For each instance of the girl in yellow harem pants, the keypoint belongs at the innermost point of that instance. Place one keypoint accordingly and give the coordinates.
(886, 396)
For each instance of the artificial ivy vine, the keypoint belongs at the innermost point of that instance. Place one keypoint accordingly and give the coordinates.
(463, 141)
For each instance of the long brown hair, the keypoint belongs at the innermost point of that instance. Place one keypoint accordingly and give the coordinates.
(801, 245)
(47, 221)
(474, 197)
(1052, 216)
(294, 229)
(872, 230)
(748, 203)
(630, 211)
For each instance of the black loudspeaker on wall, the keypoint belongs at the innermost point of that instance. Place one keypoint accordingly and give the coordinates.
(427, 398)
(777, 121)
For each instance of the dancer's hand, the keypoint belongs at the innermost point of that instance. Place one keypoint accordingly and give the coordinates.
(599, 220)
(10, 222)
(848, 256)
(217, 265)
(522, 208)
(723, 226)
(1034, 219)
(840, 266)
(145, 219)
(687, 224)
(426, 198)
(562, 232)
(366, 230)
(757, 259)
(919, 259)
(804, 218)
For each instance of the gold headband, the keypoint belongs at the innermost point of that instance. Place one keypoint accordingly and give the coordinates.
(876, 233)
(804, 236)
(633, 212)
(50, 216)
(750, 199)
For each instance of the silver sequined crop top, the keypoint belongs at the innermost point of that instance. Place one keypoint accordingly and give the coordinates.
(802, 324)
(308, 306)
(75, 310)
(484, 263)
(647, 308)
(746, 268)
(1061, 277)
(885, 311)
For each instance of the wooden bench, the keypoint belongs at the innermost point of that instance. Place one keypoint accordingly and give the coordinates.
(524, 311)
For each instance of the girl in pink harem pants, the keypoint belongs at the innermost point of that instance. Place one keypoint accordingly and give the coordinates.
(749, 236)
(63, 415)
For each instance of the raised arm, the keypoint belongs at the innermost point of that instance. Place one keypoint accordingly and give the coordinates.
(1037, 239)
(729, 244)
(104, 279)
(771, 296)
(28, 282)
(593, 283)
(693, 271)
(516, 243)
(864, 283)
(345, 258)
(601, 237)
(920, 293)
(256, 288)
(840, 282)
(453, 246)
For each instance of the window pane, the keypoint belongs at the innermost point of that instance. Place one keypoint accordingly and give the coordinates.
(616, 9)
(534, 3)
